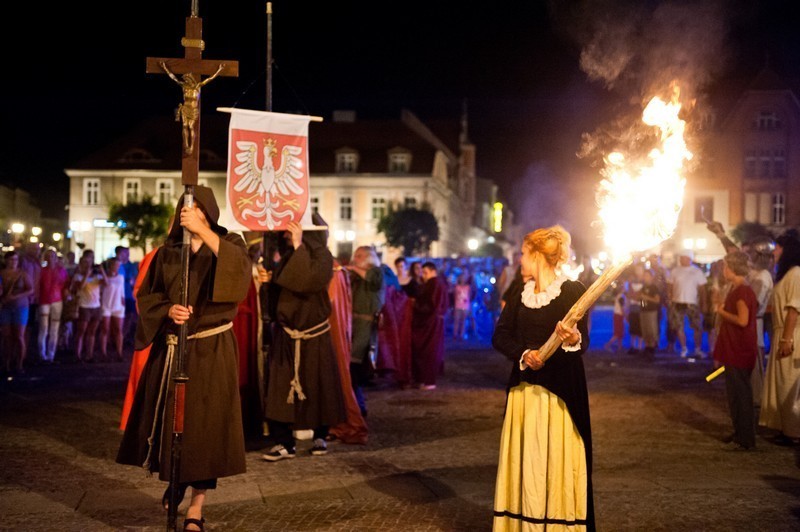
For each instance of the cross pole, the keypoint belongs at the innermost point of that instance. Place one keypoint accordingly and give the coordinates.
(191, 68)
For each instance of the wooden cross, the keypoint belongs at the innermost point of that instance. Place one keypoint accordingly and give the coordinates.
(191, 67)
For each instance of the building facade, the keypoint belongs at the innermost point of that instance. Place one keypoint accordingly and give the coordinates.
(358, 168)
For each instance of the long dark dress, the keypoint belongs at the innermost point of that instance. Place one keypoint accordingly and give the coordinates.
(213, 440)
(299, 293)
(427, 326)
(519, 328)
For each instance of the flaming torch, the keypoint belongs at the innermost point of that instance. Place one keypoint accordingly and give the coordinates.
(638, 204)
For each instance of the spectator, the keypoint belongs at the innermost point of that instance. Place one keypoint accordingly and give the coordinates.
(303, 391)
(369, 295)
(14, 312)
(129, 271)
(112, 303)
(427, 339)
(69, 264)
(462, 305)
(87, 284)
(618, 327)
(30, 262)
(633, 295)
(507, 276)
(779, 402)
(716, 291)
(53, 282)
(736, 349)
(687, 297)
(412, 287)
(650, 298)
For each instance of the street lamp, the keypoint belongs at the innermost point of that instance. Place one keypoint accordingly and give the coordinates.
(36, 231)
(17, 228)
(472, 244)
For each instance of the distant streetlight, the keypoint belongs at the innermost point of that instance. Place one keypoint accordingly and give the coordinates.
(472, 244)
(57, 237)
(36, 231)
(17, 228)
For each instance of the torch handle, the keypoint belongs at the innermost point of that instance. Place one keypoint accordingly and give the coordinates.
(583, 304)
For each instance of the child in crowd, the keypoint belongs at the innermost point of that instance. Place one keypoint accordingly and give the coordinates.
(113, 305)
(619, 319)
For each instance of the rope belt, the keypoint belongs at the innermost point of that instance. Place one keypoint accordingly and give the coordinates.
(367, 317)
(172, 341)
(299, 336)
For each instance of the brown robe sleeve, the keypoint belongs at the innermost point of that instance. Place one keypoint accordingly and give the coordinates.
(233, 272)
(307, 271)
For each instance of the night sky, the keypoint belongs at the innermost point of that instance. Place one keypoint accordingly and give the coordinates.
(535, 75)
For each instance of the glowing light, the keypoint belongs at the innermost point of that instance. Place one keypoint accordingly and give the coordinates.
(639, 204)
(349, 235)
(57, 237)
(688, 243)
(472, 244)
(36, 231)
(338, 235)
(492, 280)
(497, 212)
(17, 228)
(701, 243)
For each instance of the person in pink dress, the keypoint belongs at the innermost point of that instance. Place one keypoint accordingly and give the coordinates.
(53, 281)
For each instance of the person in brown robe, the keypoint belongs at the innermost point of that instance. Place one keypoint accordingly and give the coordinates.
(427, 339)
(303, 389)
(219, 276)
(354, 428)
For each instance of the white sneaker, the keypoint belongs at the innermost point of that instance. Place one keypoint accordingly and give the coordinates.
(278, 452)
(303, 434)
(684, 352)
(699, 353)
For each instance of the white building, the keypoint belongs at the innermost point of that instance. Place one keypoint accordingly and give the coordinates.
(358, 168)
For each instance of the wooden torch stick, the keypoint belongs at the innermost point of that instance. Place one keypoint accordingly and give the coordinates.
(583, 304)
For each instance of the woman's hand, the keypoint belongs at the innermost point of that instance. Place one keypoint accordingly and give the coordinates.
(179, 314)
(531, 358)
(568, 336)
(785, 348)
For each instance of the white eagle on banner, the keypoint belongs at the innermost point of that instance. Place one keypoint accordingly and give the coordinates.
(264, 190)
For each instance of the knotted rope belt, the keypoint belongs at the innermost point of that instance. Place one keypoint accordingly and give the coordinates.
(172, 341)
(299, 336)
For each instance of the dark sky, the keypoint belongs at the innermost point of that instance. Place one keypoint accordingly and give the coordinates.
(536, 74)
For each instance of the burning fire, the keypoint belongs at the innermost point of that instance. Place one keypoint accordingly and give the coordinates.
(639, 206)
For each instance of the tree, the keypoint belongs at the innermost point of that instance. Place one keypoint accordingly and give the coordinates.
(414, 230)
(746, 232)
(140, 221)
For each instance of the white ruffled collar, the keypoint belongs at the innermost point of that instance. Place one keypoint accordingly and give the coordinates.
(533, 300)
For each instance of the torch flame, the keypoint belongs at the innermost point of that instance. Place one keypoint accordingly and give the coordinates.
(639, 207)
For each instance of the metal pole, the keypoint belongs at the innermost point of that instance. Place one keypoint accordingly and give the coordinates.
(269, 56)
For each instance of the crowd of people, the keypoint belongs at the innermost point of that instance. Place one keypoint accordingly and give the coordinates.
(50, 303)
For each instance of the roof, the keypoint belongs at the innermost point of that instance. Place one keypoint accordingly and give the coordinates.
(155, 144)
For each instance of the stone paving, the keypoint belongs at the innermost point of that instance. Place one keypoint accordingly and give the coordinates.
(429, 464)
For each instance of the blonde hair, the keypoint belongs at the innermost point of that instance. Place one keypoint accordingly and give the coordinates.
(552, 242)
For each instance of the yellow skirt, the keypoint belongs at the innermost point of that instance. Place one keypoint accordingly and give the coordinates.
(541, 475)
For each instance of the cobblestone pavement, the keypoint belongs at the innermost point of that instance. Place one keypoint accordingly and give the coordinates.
(429, 464)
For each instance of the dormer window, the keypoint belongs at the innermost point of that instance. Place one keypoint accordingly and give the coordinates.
(137, 156)
(346, 161)
(399, 161)
(767, 121)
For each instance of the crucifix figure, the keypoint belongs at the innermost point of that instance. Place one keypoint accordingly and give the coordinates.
(189, 110)
(188, 72)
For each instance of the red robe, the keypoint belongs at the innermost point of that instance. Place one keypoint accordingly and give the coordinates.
(246, 328)
(354, 428)
(394, 336)
(139, 355)
(427, 339)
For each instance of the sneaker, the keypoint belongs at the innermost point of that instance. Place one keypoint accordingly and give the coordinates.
(699, 353)
(684, 352)
(278, 452)
(427, 386)
(320, 448)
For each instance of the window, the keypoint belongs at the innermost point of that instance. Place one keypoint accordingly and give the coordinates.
(779, 164)
(164, 191)
(703, 209)
(764, 163)
(767, 121)
(313, 202)
(410, 202)
(399, 162)
(345, 208)
(346, 162)
(91, 191)
(750, 164)
(130, 190)
(378, 208)
(778, 209)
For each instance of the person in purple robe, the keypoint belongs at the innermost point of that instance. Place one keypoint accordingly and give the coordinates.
(427, 325)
